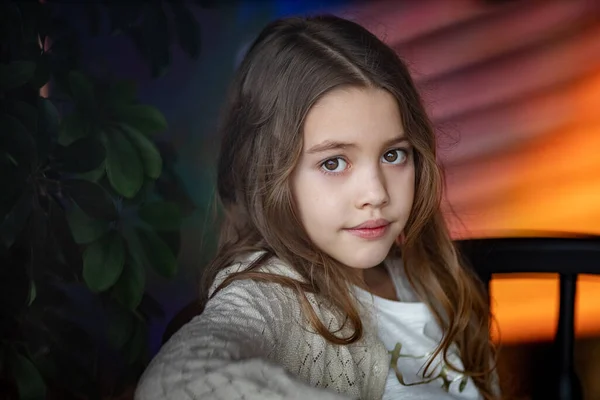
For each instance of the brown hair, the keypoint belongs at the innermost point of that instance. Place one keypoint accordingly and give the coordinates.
(290, 66)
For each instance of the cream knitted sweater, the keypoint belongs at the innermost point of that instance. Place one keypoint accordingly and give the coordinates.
(251, 342)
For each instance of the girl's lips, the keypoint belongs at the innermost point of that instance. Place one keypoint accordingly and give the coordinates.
(372, 224)
(369, 233)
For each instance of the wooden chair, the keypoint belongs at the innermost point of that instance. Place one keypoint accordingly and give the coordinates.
(566, 256)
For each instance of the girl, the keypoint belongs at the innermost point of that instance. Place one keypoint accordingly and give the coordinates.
(335, 275)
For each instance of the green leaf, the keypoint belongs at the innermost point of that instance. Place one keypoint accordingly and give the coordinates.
(129, 289)
(123, 165)
(14, 221)
(122, 15)
(25, 113)
(69, 253)
(137, 343)
(73, 127)
(188, 30)
(120, 94)
(30, 12)
(14, 180)
(17, 141)
(155, 37)
(11, 21)
(15, 282)
(149, 153)
(85, 229)
(32, 293)
(91, 198)
(94, 175)
(15, 74)
(60, 345)
(42, 71)
(144, 118)
(29, 381)
(120, 325)
(83, 155)
(48, 127)
(157, 253)
(171, 187)
(173, 239)
(82, 91)
(103, 262)
(161, 215)
(66, 52)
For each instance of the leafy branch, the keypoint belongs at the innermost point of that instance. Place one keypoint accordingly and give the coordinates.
(89, 202)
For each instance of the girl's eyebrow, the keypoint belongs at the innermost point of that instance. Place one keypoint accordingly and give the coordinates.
(335, 145)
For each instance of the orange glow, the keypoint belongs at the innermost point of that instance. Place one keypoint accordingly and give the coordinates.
(526, 309)
(554, 186)
(541, 172)
(514, 92)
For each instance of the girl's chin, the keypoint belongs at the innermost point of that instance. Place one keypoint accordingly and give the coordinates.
(368, 262)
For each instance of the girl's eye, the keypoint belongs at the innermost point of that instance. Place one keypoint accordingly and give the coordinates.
(334, 165)
(396, 156)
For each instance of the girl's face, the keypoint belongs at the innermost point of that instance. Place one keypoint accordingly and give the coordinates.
(354, 183)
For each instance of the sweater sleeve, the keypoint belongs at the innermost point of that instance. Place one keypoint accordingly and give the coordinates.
(224, 352)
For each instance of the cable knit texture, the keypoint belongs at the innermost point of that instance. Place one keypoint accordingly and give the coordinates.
(252, 342)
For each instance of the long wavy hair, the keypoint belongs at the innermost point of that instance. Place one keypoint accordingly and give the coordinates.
(288, 68)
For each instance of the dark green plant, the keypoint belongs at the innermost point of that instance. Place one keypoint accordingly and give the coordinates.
(89, 201)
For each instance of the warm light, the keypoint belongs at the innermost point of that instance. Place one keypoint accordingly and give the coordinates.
(526, 308)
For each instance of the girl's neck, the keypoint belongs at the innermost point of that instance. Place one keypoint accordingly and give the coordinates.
(379, 282)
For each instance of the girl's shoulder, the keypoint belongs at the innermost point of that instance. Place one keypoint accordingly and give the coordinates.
(273, 266)
(257, 299)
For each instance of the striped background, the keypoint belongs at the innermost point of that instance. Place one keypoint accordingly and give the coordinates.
(514, 91)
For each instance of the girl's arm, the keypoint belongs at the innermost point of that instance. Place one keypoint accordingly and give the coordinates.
(223, 353)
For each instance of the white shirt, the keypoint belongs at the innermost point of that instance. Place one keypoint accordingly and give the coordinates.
(410, 333)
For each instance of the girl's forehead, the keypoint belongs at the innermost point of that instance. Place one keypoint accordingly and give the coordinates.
(353, 115)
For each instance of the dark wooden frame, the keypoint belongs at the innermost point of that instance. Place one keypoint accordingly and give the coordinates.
(567, 256)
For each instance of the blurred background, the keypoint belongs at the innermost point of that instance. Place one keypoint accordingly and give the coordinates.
(512, 87)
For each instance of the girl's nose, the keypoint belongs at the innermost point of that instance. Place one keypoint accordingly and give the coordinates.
(372, 190)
